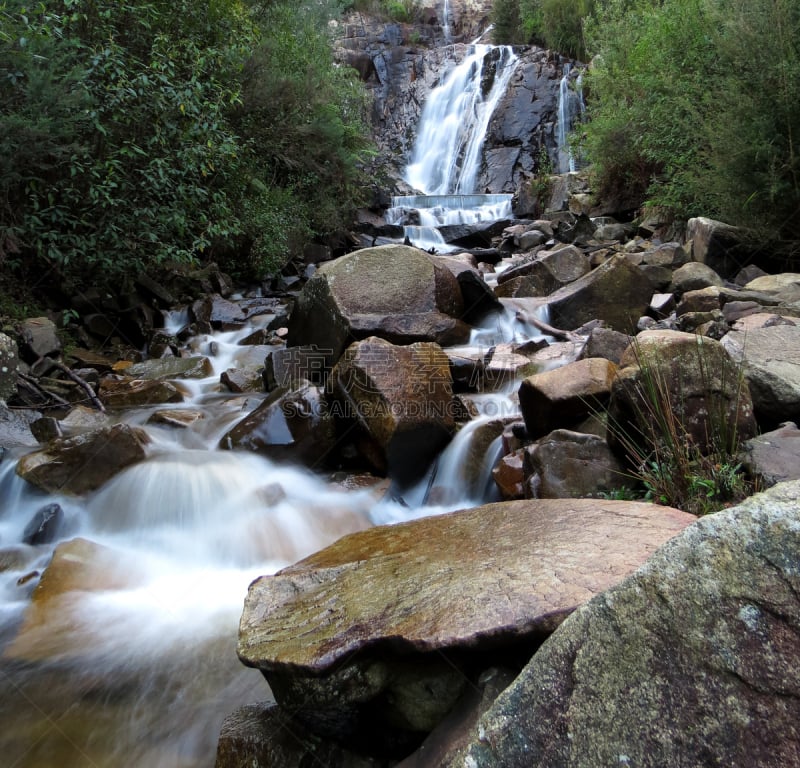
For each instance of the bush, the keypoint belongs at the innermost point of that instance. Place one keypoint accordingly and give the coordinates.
(693, 105)
(556, 24)
(134, 133)
(698, 472)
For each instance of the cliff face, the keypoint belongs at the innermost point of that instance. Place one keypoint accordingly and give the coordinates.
(401, 63)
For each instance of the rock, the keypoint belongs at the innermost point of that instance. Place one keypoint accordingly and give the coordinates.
(616, 292)
(334, 632)
(45, 526)
(180, 418)
(550, 270)
(83, 463)
(395, 292)
(717, 245)
(400, 401)
(290, 425)
(38, 338)
(670, 255)
(774, 457)
(692, 277)
(118, 393)
(9, 360)
(693, 377)
(218, 312)
(288, 366)
(509, 476)
(606, 343)
(662, 305)
(264, 735)
(504, 365)
(575, 465)
(15, 430)
(53, 628)
(690, 661)
(774, 283)
(171, 368)
(82, 419)
(699, 300)
(565, 395)
(771, 360)
(479, 300)
(242, 380)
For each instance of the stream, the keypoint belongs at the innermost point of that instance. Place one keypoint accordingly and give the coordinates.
(134, 665)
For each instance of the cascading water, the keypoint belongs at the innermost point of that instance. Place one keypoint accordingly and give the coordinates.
(571, 108)
(446, 156)
(137, 668)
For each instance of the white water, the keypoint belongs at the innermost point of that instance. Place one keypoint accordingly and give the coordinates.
(571, 108)
(446, 156)
(140, 675)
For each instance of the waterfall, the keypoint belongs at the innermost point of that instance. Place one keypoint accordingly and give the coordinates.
(446, 156)
(570, 108)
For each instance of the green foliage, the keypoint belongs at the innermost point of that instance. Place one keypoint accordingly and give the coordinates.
(556, 24)
(402, 11)
(671, 466)
(693, 106)
(132, 133)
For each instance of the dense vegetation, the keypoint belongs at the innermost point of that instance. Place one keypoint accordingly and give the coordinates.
(692, 103)
(135, 133)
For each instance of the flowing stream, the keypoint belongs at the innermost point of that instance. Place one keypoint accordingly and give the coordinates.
(131, 662)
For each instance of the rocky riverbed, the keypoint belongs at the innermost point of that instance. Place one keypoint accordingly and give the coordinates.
(387, 647)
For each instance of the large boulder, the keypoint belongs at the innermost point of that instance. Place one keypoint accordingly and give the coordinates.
(774, 457)
(616, 292)
(771, 359)
(718, 245)
(690, 661)
(670, 374)
(83, 463)
(399, 399)
(396, 292)
(345, 636)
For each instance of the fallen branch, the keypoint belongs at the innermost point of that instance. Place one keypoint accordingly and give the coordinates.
(82, 383)
(556, 333)
(33, 385)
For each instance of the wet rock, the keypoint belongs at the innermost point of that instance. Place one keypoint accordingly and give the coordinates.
(180, 418)
(288, 366)
(81, 419)
(15, 430)
(337, 632)
(692, 660)
(119, 393)
(45, 526)
(242, 380)
(771, 360)
(53, 628)
(79, 464)
(397, 293)
(171, 368)
(575, 465)
(504, 365)
(696, 380)
(774, 457)
(399, 399)
(263, 735)
(219, 313)
(509, 476)
(616, 292)
(17, 557)
(45, 429)
(290, 425)
(565, 395)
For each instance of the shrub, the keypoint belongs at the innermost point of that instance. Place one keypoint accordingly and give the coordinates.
(676, 466)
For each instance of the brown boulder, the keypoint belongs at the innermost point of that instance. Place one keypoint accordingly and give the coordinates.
(565, 395)
(400, 401)
(395, 292)
(83, 463)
